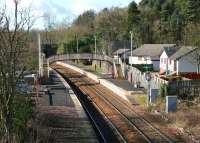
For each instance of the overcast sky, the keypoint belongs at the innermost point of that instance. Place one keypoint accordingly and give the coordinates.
(69, 9)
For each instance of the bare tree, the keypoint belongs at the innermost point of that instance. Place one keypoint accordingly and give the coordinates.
(14, 28)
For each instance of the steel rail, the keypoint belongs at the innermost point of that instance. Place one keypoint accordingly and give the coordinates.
(154, 136)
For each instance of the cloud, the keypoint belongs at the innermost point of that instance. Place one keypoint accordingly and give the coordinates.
(65, 8)
(79, 6)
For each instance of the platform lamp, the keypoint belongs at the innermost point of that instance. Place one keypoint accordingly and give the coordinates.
(148, 78)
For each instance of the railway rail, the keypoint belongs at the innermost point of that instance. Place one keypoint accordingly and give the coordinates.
(125, 125)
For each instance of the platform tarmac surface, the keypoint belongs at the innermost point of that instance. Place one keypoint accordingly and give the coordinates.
(65, 121)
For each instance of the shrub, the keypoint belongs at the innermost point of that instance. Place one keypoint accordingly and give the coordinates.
(163, 90)
(23, 112)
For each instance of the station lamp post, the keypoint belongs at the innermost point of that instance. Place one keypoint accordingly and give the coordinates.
(148, 78)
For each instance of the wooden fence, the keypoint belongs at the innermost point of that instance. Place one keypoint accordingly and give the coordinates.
(185, 88)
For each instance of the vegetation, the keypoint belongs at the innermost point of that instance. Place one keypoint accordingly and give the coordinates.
(23, 113)
(141, 99)
(14, 42)
(152, 21)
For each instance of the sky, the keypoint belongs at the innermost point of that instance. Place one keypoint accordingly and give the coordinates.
(66, 9)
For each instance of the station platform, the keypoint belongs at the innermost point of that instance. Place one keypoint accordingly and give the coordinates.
(65, 120)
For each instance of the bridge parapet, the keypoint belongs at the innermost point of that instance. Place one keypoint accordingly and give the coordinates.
(83, 56)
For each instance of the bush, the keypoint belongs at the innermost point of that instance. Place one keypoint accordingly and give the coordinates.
(23, 112)
(163, 90)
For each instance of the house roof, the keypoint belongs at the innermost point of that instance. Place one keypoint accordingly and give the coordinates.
(152, 50)
(182, 52)
(170, 51)
(120, 51)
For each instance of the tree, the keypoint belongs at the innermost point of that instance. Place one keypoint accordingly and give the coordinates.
(14, 28)
(193, 11)
(195, 42)
(133, 15)
(61, 49)
(110, 25)
(86, 20)
(134, 21)
(146, 26)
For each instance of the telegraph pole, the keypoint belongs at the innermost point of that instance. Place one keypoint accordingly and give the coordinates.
(40, 57)
(77, 44)
(131, 32)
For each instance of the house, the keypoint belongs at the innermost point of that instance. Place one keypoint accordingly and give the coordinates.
(184, 60)
(148, 54)
(164, 59)
(120, 52)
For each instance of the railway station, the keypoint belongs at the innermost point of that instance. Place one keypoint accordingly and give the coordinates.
(90, 71)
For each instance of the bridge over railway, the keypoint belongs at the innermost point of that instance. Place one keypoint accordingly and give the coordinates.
(105, 62)
(83, 56)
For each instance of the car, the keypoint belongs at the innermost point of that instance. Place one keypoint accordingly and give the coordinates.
(23, 87)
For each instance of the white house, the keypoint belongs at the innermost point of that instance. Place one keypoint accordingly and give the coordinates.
(183, 61)
(165, 63)
(148, 54)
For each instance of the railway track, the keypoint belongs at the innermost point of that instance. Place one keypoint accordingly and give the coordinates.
(127, 125)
